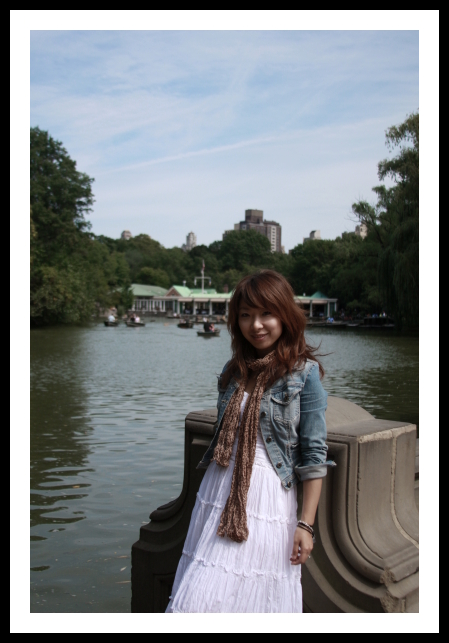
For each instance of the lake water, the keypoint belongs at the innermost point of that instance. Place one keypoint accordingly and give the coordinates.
(107, 437)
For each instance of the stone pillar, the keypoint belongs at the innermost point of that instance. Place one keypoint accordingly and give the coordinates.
(366, 555)
(227, 307)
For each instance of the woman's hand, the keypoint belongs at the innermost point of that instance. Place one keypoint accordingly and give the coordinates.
(302, 546)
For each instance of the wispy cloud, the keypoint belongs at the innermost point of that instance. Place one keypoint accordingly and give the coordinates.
(130, 106)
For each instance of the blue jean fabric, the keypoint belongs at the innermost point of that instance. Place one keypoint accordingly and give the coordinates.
(292, 423)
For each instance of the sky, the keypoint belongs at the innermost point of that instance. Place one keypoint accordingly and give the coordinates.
(185, 130)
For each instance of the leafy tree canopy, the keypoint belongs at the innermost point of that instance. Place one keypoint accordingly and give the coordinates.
(244, 247)
(71, 272)
(393, 222)
(60, 196)
(153, 277)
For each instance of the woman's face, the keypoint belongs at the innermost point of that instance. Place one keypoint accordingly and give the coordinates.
(260, 327)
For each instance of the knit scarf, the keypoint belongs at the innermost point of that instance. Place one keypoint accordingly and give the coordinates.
(233, 522)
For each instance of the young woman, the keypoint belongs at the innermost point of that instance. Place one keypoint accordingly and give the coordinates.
(245, 545)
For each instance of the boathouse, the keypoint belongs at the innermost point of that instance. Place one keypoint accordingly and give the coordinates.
(180, 300)
(147, 298)
(317, 305)
(183, 300)
(196, 301)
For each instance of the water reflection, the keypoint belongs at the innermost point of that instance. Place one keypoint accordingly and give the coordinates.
(58, 452)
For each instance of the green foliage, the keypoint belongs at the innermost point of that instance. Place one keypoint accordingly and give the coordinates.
(58, 295)
(231, 278)
(243, 248)
(60, 196)
(343, 268)
(72, 273)
(312, 266)
(153, 277)
(393, 223)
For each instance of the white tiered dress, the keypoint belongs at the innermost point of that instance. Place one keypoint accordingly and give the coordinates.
(216, 574)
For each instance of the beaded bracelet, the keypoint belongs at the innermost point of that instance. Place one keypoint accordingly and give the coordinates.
(303, 523)
(307, 527)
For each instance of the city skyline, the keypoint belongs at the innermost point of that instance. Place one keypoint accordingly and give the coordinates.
(359, 230)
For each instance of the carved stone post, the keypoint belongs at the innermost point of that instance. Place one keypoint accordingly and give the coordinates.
(366, 555)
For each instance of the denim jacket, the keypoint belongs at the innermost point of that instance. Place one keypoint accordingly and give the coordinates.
(292, 423)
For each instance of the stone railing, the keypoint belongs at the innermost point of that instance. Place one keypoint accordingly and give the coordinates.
(366, 555)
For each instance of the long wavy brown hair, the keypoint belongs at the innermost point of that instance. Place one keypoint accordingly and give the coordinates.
(269, 290)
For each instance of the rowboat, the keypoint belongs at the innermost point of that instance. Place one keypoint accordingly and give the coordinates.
(135, 324)
(325, 324)
(208, 333)
(378, 322)
(185, 324)
(109, 323)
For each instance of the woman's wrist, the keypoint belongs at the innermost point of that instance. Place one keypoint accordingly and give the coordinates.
(301, 524)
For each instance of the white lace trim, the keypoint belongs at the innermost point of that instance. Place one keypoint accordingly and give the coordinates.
(252, 514)
(253, 573)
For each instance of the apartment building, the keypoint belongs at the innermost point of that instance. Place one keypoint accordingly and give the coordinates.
(254, 221)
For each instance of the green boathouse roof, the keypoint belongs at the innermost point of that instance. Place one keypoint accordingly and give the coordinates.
(140, 290)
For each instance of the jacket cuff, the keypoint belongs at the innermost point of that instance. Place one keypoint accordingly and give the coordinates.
(311, 471)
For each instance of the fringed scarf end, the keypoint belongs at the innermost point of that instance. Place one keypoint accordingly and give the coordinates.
(237, 535)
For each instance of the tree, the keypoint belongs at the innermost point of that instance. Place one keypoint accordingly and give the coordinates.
(312, 267)
(153, 277)
(60, 196)
(394, 222)
(71, 271)
(246, 247)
